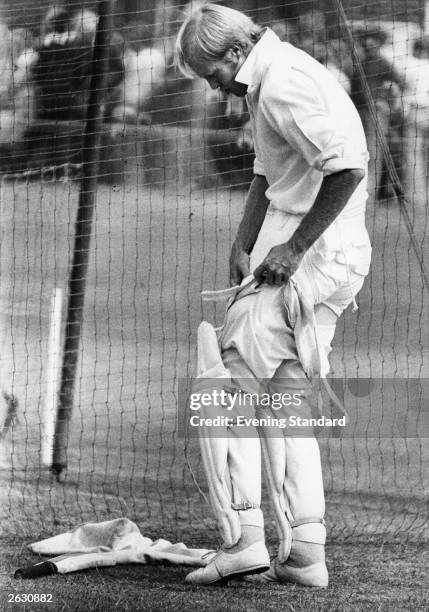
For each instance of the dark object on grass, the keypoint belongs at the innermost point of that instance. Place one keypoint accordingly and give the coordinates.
(44, 568)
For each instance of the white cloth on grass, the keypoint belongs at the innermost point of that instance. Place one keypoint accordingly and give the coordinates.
(114, 542)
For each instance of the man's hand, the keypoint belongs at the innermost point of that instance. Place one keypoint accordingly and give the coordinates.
(238, 264)
(279, 265)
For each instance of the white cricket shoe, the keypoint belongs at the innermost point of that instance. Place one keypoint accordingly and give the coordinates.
(225, 566)
(313, 575)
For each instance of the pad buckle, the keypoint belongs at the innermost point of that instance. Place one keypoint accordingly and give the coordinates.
(244, 506)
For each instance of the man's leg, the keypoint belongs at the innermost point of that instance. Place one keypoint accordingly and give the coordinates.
(297, 491)
(231, 460)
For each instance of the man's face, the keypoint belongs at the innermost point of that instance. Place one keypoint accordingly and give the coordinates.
(221, 73)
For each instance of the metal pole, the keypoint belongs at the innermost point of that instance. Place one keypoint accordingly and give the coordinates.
(83, 231)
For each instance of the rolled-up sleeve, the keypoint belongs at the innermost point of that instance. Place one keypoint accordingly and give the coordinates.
(297, 113)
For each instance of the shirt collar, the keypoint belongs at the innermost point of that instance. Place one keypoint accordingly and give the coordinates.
(254, 65)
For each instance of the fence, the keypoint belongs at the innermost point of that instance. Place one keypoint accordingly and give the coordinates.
(171, 183)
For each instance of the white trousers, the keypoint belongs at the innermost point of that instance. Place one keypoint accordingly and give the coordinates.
(258, 348)
(303, 484)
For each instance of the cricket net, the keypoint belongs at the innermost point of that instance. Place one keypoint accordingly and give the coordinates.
(175, 162)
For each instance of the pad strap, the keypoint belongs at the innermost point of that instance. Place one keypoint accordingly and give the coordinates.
(311, 530)
(305, 521)
(245, 506)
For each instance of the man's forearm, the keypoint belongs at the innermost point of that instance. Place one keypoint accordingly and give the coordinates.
(254, 214)
(334, 194)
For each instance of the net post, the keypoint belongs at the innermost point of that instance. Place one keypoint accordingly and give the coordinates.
(51, 398)
(83, 231)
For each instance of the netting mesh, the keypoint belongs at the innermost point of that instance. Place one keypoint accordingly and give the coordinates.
(175, 164)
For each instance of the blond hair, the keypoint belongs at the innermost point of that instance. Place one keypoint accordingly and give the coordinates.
(208, 33)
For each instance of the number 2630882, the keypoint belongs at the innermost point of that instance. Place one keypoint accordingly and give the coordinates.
(30, 598)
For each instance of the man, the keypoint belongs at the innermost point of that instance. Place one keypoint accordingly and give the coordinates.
(387, 87)
(303, 239)
(51, 83)
(61, 68)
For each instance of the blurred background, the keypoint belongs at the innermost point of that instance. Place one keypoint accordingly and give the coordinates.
(45, 66)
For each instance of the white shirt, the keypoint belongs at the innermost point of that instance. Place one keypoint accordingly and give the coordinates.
(304, 124)
(304, 127)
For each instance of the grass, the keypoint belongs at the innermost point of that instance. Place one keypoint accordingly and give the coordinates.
(363, 578)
